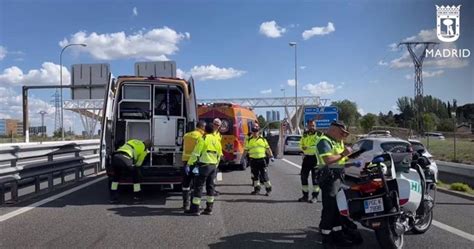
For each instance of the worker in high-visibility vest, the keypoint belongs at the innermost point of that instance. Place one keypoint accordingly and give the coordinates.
(331, 156)
(129, 157)
(217, 124)
(258, 149)
(205, 159)
(190, 140)
(308, 146)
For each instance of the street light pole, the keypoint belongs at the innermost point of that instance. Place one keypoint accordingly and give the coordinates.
(61, 82)
(297, 128)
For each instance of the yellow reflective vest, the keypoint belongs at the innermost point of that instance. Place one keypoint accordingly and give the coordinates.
(336, 149)
(309, 141)
(135, 149)
(190, 140)
(208, 150)
(257, 147)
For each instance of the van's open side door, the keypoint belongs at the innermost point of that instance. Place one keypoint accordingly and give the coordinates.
(106, 125)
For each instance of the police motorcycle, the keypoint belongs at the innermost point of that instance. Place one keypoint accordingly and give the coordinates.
(394, 194)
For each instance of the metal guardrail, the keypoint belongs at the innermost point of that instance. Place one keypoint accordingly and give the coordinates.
(456, 172)
(27, 164)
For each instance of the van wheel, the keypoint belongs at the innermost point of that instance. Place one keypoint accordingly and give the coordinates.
(243, 164)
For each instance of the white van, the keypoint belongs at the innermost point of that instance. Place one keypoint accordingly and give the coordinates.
(154, 104)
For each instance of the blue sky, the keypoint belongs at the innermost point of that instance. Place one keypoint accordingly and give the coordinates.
(236, 48)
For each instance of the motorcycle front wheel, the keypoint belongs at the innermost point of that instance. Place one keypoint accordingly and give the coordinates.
(387, 237)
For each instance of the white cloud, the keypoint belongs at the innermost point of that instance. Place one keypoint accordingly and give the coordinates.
(155, 44)
(361, 111)
(322, 88)
(291, 82)
(393, 47)
(405, 60)
(307, 34)
(426, 74)
(181, 74)
(135, 11)
(3, 52)
(271, 29)
(267, 91)
(303, 67)
(210, 72)
(47, 75)
(383, 63)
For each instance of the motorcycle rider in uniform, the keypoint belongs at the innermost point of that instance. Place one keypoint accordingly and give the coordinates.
(331, 155)
(308, 146)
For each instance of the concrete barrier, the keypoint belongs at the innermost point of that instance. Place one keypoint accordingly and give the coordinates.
(456, 172)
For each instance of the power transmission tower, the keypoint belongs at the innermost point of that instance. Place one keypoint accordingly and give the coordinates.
(42, 113)
(57, 110)
(418, 63)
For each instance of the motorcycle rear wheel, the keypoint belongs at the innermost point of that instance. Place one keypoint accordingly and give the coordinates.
(424, 224)
(387, 237)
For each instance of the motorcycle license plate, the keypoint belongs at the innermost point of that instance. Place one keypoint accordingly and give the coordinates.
(373, 205)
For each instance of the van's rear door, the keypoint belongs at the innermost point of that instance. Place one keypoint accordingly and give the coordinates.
(106, 125)
(192, 113)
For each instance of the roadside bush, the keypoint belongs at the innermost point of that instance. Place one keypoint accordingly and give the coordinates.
(460, 187)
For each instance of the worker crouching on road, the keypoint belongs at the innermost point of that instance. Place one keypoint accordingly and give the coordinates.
(308, 146)
(331, 155)
(129, 156)
(190, 140)
(205, 159)
(257, 148)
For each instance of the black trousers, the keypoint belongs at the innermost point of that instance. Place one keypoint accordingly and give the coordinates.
(187, 179)
(258, 167)
(207, 174)
(123, 164)
(309, 166)
(330, 216)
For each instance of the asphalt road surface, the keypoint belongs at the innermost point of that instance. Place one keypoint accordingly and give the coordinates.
(84, 218)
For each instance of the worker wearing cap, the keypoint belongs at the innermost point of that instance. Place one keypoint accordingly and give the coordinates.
(205, 158)
(217, 123)
(308, 146)
(330, 151)
(190, 140)
(257, 148)
(129, 156)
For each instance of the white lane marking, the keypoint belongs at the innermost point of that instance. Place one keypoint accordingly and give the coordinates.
(435, 223)
(219, 176)
(49, 199)
(291, 163)
(453, 230)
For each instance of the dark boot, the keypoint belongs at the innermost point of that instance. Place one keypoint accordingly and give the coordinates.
(194, 210)
(138, 197)
(314, 198)
(186, 200)
(269, 191)
(208, 210)
(304, 198)
(328, 242)
(340, 239)
(114, 197)
(353, 235)
(255, 191)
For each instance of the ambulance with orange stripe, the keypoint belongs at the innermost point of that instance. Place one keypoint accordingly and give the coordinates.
(236, 124)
